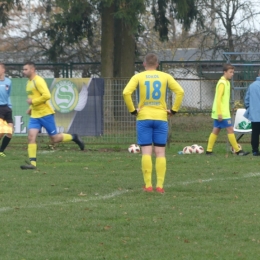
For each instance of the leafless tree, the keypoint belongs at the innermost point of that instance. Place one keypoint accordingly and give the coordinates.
(228, 24)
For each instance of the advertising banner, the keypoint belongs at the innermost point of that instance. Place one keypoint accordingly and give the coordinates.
(78, 105)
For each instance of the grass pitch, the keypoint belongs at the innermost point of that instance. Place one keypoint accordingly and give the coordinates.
(90, 205)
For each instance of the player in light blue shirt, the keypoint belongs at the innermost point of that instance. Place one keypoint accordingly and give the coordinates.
(252, 113)
(5, 108)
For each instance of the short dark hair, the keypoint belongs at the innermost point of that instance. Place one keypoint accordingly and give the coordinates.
(30, 63)
(228, 66)
(151, 59)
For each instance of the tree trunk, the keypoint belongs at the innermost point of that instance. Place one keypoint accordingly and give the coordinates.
(107, 60)
(124, 50)
(123, 64)
(107, 42)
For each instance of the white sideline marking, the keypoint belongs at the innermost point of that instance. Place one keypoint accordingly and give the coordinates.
(76, 200)
(5, 209)
(121, 192)
(248, 175)
(45, 151)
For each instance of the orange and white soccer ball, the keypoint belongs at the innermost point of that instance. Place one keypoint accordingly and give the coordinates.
(232, 149)
(187, 150)
(134, 148)
(198, 149)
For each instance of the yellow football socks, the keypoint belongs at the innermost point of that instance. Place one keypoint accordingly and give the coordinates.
(160, 166)
(211, 142)
(66, 137)
(32, 149)
(233, 142)
(147, 170)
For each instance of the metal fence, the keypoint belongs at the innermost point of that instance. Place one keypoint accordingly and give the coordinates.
(192, 124)
(205, 69)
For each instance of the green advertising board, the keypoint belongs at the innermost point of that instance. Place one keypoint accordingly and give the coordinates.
(78, 105)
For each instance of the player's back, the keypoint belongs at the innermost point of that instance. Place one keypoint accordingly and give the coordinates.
(152, 94)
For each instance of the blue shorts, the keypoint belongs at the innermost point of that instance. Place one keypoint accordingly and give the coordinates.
(222, 124)
(47, 122)
(152, 132)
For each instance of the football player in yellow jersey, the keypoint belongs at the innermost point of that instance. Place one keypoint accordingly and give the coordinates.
(221, 112)
(41, 115)
(151, 114)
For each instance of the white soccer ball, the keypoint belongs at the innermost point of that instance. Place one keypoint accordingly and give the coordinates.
(134, 148)
(198, 149)
(233, 150)
(194, 148)
(187, 150)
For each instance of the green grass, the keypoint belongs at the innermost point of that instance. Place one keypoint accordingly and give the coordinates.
(90, 205)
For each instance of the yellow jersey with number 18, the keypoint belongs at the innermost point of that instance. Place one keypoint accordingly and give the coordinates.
(151, 87)
(38, 91)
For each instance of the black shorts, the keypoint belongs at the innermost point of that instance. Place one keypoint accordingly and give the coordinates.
(6, 113)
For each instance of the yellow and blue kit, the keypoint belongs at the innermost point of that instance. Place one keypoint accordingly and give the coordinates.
(151, 86)
(38, 91)
(221, 99)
